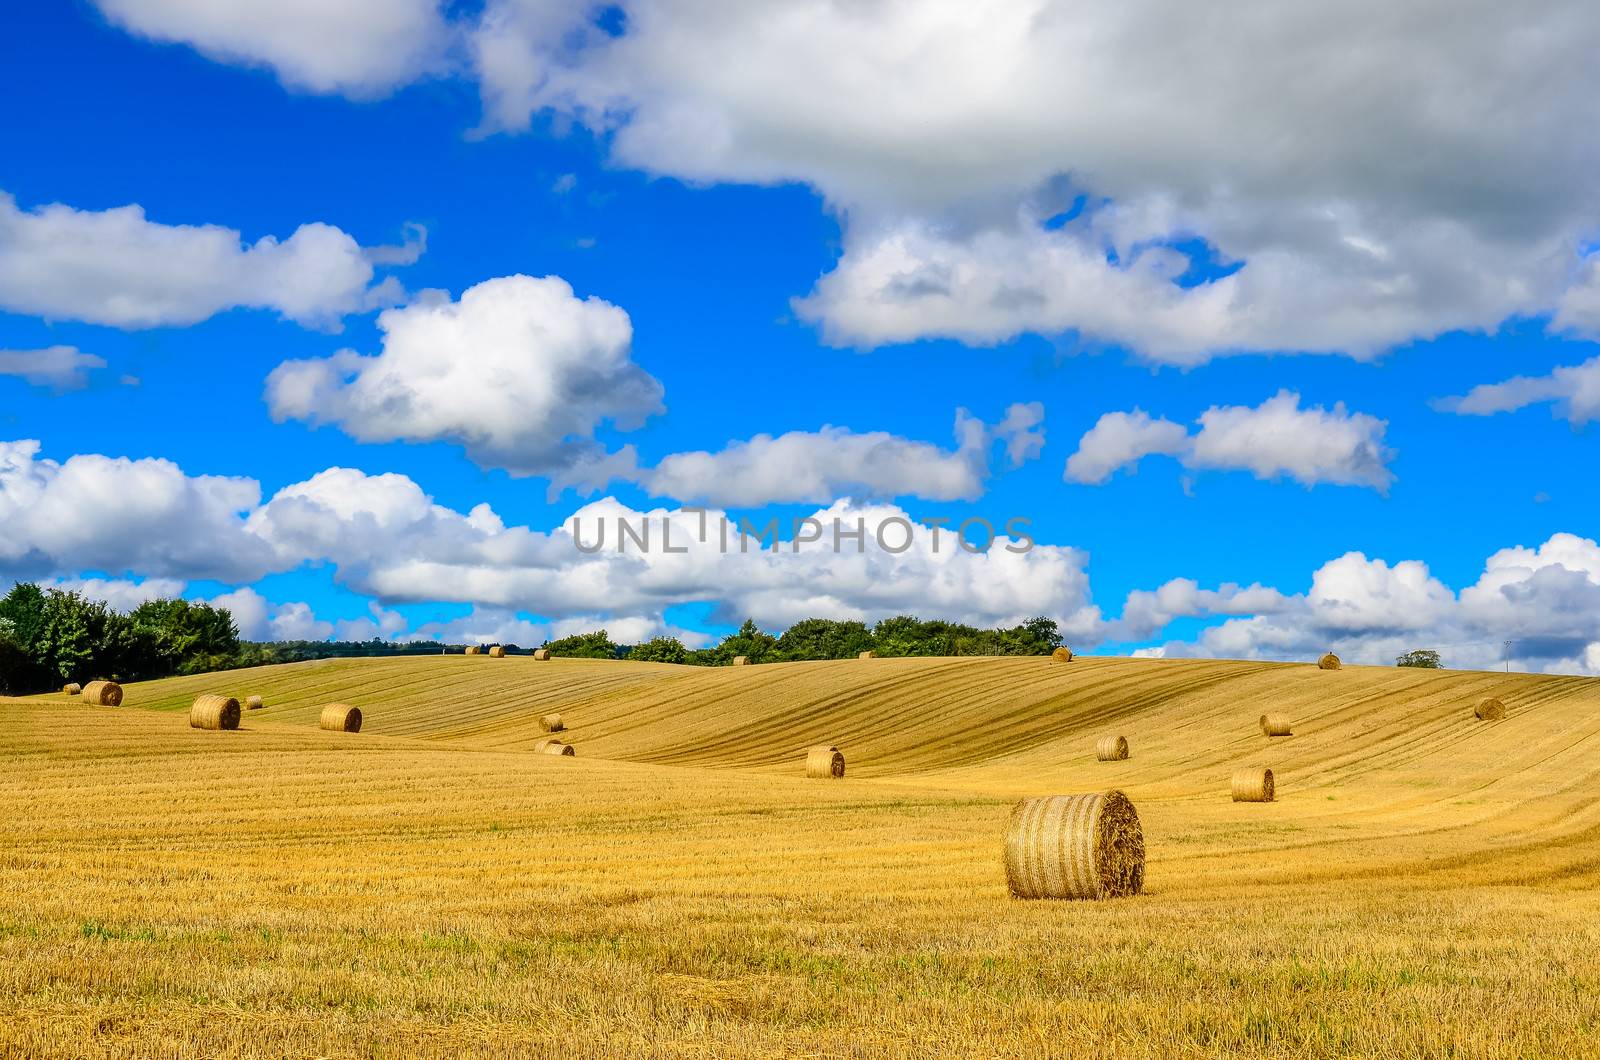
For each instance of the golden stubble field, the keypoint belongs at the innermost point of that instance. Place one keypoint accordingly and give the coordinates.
(1426, 885)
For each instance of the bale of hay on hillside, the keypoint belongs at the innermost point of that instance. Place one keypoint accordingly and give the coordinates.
(1061, 655)
(253, 703)
(868, 655)
(1254, 784)
(554, 747)
(1490, 709)
(472, 650)
(214, 712)
(338, 717)
(103, 693)
(1329, 661)
(740, 660)
(824, 762)
(1276, 725)
(1111, 748)
(497, 652)
(71, 688)
(1075, 846)
(552, 723)
(542, 655)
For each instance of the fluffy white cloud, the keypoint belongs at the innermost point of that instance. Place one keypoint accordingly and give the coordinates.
(114, 514)
(1573, 390)
(259, 619)
(519, 371)
(358, 47)
(116, 267)
(1122, 439)
(1545, 600)
(57, 367)
(817, 466)
(1374, 168)
(1276, 438)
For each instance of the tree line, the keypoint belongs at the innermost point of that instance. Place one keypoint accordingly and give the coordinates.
(52, 636)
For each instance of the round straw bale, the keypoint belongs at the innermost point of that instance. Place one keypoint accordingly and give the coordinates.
(337, 717)
(1075, 846)
(1329, 661)
(497, 652)
(1111, 748)
(554, 747)
(824, 762)
(1490, 709)
(542, 655)
(1276, 725)
(1254, 784)
(740, 660)
(71, 688)
(868, 655)
(472, 650)
(1061, 655)
(214, 712)
(103, 693)
(552, 723)
(253, 703)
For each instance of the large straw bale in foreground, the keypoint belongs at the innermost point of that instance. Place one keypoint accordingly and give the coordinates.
(214, 712)
(103, 693)
(1075, 846)
(1254, 784)
(552, 723)
(554, 747)
(542, 655)
(1490, 709)
(1061, 655)
(338, 717)
(1329, 661)
(497, 652)
(1276, 725)
(824, 762)
(1111, 748)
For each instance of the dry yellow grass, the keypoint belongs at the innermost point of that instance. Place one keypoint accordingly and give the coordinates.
(1429, 889)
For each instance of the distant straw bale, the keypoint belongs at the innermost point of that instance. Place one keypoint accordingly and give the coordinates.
(1111, 748)
(214, 712)
(1490, 709)
(867, 655)
(1276, 725)
(1254, 784)
(1075, 846)
(552, 723)
(542, 655)
(253, 703)
(338, 717)
(1329, 661)
(71, 688)
(497, 652)
(740, 660)
(554, 747)
(1061, 655)
(472, 650)
(103, 693)
(824, 762)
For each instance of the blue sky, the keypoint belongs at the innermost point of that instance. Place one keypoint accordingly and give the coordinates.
(706, 246)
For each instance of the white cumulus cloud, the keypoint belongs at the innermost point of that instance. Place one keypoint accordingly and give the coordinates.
(519, 371)
(1573, 390)
(60, 368)
(1275, 439)
(117, 267)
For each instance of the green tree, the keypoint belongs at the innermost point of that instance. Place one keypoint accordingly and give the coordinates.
(753, 643)
(822, 638)
(596, 645)
(1421, 658)
(661, 649)
(23, 607)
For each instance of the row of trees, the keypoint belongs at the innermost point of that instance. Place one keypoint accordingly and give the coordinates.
(49, 636)
(822, 638)
(52, 636)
